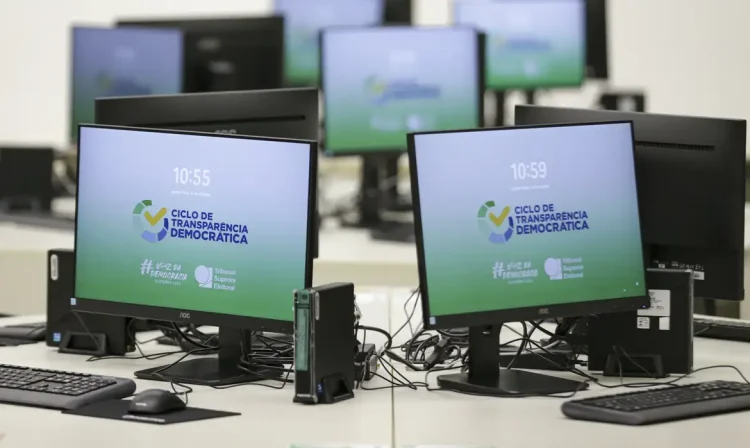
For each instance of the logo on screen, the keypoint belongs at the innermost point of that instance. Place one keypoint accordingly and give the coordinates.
(495, 222)
(383, 91)
(151, 221)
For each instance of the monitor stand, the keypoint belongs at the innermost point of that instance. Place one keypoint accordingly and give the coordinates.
(213, 371)
(485, 377)
(373, 200)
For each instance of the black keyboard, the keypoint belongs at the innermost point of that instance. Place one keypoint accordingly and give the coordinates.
(662, 404)
(721, 328)
(58, 390)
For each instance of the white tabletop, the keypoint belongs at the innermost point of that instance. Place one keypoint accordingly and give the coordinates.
(448, 418)
(269, 418)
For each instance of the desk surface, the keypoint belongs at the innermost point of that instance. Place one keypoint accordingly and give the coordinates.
(269, 418)
(448, 418)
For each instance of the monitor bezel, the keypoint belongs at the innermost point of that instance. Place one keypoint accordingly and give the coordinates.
(188, 316)
(497, 88)
(381, 151)
(494, 317)
(72, 59)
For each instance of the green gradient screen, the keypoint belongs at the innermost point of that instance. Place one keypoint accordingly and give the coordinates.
(528, 217)
(192, 222)
(530, 43)
(122, 62)
(381, 83)
(303, 20)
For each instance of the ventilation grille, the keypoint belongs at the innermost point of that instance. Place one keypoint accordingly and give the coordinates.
(682, 146)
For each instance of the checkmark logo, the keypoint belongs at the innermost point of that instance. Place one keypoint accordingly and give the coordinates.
(498, 220)
(155, 219)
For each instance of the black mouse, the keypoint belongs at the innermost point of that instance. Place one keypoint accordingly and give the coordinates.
(155, 401)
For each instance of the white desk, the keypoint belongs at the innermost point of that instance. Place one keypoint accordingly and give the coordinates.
(448, 418)
(269, 418)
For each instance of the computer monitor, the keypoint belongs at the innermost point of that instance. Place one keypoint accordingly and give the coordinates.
(283, 113)
(531, 44)
(224, 54)
(303, 21)
(404, 80)
(185, 227)
(691, 186)
(519, 224)
(121, 62)
(597, 52)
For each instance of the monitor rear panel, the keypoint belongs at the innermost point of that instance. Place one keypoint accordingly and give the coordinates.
(691, 190)
(228, 54)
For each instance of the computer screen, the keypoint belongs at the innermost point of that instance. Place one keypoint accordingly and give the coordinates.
(187, 226)
(517, 223)
(303, 21)
(530, 43)
(381, 83)
(691, 186)
(121, 62)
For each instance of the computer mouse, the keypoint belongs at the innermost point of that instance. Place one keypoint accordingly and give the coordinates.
(155, 401)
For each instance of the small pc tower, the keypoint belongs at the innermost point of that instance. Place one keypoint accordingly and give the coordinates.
(653, 342)
(323, 344)
(84, 333)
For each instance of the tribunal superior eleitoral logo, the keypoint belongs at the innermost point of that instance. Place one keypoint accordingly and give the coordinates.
(495, 222)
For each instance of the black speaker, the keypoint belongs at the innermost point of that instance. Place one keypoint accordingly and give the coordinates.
(623, 101)
(83, 333)
(26, 179)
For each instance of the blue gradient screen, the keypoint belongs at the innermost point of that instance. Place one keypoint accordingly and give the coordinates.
(192, 222)
(381, 83)
(122, 62)
(303, 21)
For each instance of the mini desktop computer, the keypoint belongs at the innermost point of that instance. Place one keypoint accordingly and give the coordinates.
(532, 223)
(538, 44)
(225, 54)
(121, 62)
(186, 227)
(408, 80)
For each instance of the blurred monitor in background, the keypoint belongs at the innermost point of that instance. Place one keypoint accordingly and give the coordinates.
(224, 54)
(530, 44)
(121, 62)
(303, 21)
(597, 57)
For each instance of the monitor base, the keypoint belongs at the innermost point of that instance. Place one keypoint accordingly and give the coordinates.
(202, 372)
(509, 383)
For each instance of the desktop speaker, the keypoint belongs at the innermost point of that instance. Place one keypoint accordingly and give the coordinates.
(81, 333)
(623, 101)
(26, 179)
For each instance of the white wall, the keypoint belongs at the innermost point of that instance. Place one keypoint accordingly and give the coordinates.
(692, 56)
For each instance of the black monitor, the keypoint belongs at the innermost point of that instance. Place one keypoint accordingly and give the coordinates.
(691, 186)
(398, 12)
(597, 52)
(185, 227)
(283, 113)
(511, 228)
(121, 62)
(223, 54)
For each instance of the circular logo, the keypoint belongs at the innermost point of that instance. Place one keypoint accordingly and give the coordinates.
(203, 275)
(495, 222)
(151, 221)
